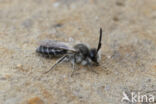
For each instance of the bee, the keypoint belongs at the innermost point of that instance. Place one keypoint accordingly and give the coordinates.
(78, 54)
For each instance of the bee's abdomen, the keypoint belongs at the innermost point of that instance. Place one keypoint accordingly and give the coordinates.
(50, 52)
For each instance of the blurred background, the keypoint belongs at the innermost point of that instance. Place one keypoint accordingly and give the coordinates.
(128, 54)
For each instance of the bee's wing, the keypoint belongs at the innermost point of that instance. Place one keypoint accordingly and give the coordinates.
(57, 45)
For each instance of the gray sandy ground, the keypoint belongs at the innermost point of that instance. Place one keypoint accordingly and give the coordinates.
(128, 62)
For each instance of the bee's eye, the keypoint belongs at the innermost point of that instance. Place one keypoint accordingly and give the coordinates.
(93, 54)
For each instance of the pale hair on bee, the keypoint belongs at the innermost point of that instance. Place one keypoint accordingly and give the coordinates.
(78, 54)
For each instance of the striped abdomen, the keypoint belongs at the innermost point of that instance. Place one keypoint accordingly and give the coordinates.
(50, 51)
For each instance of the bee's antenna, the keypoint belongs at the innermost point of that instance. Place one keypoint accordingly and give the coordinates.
(59, 61)
(99, 45)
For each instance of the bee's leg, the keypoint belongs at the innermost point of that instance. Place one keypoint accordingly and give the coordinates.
(74, 70)
(57, 62)
(73, 65)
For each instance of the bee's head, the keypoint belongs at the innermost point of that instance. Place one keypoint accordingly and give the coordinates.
(94, 53)
(94, 56)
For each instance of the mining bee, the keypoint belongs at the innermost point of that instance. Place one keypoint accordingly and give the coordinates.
(79, 54)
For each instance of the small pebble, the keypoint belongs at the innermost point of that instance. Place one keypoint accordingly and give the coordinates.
(19, 66)
(35, 100)
(56, 4)
(108, 57)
